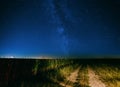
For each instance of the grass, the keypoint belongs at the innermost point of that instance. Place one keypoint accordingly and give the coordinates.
(42, 65)
(66, 71)
(109, 74)
(83, 77)
(50, 72)
(55, 71)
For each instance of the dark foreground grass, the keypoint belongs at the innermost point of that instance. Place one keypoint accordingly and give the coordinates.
(50, 72)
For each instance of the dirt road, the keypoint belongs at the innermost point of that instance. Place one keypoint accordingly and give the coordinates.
(77, 77)
(94, 80)
(71, 79)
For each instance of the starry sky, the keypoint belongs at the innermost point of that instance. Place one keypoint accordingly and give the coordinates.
(59, 27)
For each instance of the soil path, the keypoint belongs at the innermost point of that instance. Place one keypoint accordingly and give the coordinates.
(94, 80)
(71, 79)
(73, 76)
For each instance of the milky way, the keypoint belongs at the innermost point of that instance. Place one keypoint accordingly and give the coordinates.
(56, 19)
(59, 27)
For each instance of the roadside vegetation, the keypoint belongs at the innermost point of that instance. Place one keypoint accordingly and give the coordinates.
(58, 73)
(52, 71)
(109, 74)
(83, 77)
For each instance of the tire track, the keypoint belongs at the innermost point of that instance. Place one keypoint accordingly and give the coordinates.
(94, 80)
(72, 79)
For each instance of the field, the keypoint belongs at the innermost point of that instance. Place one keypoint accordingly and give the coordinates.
(60, 72)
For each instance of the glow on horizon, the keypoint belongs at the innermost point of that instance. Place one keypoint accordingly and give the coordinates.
(28, 57)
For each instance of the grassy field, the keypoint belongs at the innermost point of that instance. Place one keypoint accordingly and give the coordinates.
(109, 74)
(59, 72)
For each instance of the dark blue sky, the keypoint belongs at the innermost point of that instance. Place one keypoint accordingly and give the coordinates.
(59, 27)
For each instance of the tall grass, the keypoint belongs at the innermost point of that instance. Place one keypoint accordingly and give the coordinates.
(53, 71)
(109, 74)
(42, 65)
(83, 77)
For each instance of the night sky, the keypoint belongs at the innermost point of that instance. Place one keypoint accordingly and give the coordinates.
(59, 27)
